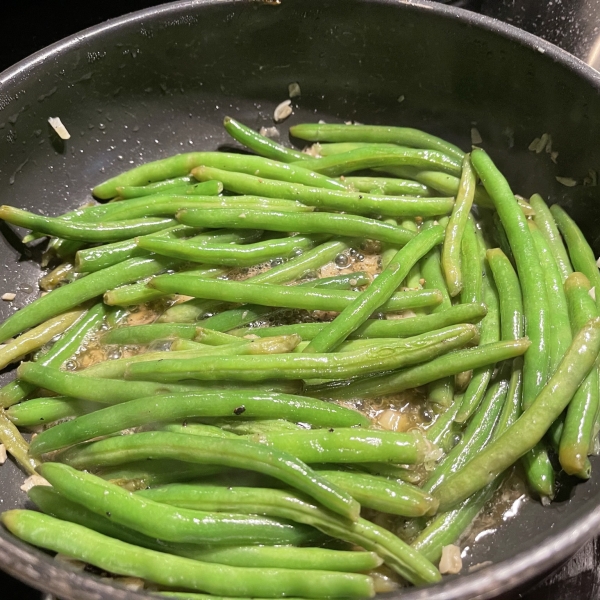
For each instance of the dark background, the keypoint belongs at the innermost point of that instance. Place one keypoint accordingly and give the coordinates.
(30, 25)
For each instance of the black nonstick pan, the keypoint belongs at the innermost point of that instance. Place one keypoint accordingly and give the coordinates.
(160, 81)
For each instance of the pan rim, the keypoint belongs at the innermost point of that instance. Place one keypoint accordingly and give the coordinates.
(17, 557)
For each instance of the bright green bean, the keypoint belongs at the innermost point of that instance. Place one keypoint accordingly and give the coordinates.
(122, 558)
(444, 366)
(306, 366)
(144, 334)
(535, 302)
(379, 292)
(143, 411)
(529, 429)
(403, 136)
(341, 200)
(67, 297)
(154, 188)
(471, 265)
(39, 411)
(388, 186)
(547, 226)
(215, 451)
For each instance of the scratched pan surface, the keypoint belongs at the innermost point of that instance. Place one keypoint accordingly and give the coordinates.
(159, 82)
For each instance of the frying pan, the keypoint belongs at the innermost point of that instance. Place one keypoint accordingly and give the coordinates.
(160, 81)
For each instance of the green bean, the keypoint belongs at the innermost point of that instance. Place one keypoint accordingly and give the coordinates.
(547, 226)
(215, 451)
(98, 232)
(288, 557)
(441, 429)
(346, 445)
(133, 191)
(183, 164)
(318, 222)
(335, 148)
(61, 351)
(403, 136)
(140, 293)
(582, 256)
(529, 429)
(202, 428)
(280, 295)
(369, 536)
(230, 254)
(38, 336)
(65, 298)
(16, 445)
(306, 366)
(451, 248)
(168, 205)
(471, 265)
(39, 411)
(342, 200)
(288, 271)
(125, 559)
(260, 144)
(448, 184)
(379, 292)
(378, 328)
(577, 433)
(535, 302)
(144, 411)
(144, 334)
(389, 186)
(385, 495)
(444, 366)
(101, 257)
(115, 391)
(490, 333)
(345, 281)
(61, 273)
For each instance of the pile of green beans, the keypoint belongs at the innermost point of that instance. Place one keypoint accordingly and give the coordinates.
(244, 364)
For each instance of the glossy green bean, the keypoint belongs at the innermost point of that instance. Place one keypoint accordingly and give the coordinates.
(451, 248)
(136, 191)
(381, 328)
(62, 273)
(342, 200)
(16, 445)
(143, 411)
(394, 552)
(280, 295)
(388, 186)
(111, 231)
(125, 559)
(183, 164)
(547, 226)
(443, 427)
(260, 144)
(230, 255)
(40, 411)
(471, 265)
(535, 302)
(444, 366)
(287, 557)
(529, 429)
(67, 297)
(403, 136)
(581, 254)
(318, 222)
(215, 451)
(144, 334)
(306, 366)
(578, 430)
(63, 349)
(379, 292)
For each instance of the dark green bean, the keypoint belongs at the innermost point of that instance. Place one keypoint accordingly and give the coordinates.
(529, 429)
(143, 411)
(444, 366)
(125, 559)
(342, 200)
(215, 451)
(379, 292)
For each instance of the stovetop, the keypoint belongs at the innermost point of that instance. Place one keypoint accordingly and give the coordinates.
(574, 25)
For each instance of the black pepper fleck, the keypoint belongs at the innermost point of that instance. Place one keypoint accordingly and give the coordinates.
(239, 410)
